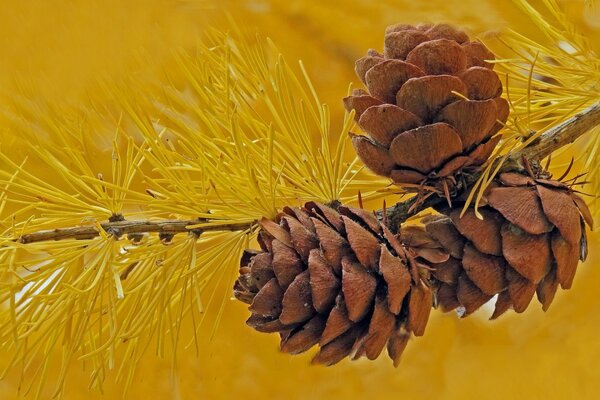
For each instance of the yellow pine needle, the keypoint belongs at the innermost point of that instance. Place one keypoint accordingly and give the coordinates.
(252, 128)
(248, 136)
(75, 292)
(551, 79)
(75, 193)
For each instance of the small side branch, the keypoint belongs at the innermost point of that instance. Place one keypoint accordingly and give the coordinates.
(560, 135)
(120, 228)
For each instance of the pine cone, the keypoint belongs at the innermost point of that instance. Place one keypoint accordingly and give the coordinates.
(339, 280)
(530, 240)
(432, 109)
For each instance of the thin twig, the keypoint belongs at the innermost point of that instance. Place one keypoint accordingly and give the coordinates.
(120, 228)
(550, 141)
(559, 136)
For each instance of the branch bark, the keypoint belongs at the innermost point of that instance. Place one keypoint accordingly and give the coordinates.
(550, 141)
(560, 135)
(120, 228)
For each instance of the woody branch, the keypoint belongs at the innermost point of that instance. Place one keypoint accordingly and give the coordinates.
(550, 141)
(123, 228)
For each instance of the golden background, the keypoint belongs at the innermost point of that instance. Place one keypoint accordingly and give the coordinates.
(57, 52)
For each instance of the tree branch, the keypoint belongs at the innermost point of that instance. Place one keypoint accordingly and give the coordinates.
(559, 136)
(550, 141)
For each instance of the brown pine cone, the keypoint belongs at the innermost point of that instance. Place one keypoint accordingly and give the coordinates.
(338, 280)
(432, 108)
(530, 240)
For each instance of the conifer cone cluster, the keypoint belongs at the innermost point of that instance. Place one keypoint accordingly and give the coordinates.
(432, 108)
(339, 280)
(529, 241)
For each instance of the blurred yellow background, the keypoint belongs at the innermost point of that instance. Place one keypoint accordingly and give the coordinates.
(57, 52)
